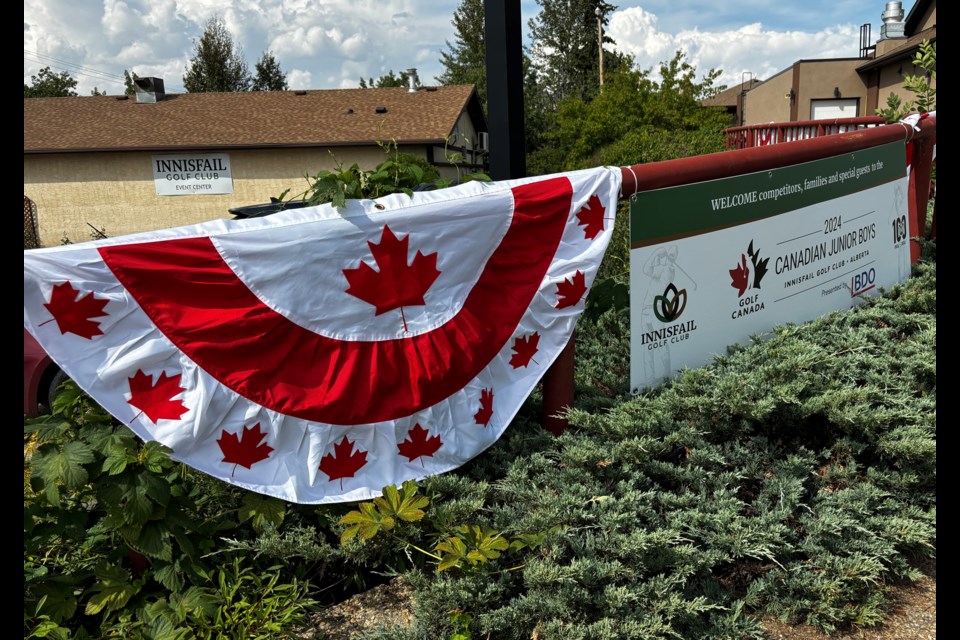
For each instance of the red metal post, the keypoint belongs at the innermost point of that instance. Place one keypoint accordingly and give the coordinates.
(558, 389)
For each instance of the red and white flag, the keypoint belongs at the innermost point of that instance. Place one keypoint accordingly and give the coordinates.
(319, 355)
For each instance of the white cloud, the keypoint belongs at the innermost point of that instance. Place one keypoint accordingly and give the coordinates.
(332, 43)
(750, 48)
(299, 79)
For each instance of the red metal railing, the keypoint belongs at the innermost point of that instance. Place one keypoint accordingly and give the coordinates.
(558, 383)
(760, 135)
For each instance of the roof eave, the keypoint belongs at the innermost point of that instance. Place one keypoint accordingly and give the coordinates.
(226, 147)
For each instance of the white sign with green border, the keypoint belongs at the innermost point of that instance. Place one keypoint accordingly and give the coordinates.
(715, 262)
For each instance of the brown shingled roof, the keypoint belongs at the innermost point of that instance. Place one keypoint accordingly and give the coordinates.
(335, 117)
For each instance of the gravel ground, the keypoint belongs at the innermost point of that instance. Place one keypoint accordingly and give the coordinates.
(913, 615)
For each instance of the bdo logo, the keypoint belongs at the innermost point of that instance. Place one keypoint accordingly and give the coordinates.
(863, 282)
(670, 305)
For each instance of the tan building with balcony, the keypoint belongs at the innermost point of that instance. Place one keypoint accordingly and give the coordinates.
(129, 164)
(825, 89)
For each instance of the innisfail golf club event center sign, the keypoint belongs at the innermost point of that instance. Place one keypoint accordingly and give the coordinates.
(193, 174)
(715, 262)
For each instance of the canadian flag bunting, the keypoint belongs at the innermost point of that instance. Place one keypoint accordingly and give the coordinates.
(319, 355)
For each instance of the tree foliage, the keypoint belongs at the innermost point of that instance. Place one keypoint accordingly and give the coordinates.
(386, 81)
(565, 49)
(581, 130)
(47, 84)
(268, 76)
(129, 88)
(465, 61)
(217, 63)
(920, 85)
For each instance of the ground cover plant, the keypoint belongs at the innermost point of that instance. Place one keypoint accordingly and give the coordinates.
(795, 475)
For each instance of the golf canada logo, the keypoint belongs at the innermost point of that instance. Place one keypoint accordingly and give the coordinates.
(741, 280)
(667, 307)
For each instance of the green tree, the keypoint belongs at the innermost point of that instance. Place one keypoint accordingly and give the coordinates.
(565, 47)
(128, 77)
(386, 81)
(465, 61)
(919, 84)
(47, 84)
(217, 64)
(581, 130)
(268, 74)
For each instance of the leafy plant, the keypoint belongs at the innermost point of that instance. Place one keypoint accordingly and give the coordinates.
(399, 173)
(921, 85)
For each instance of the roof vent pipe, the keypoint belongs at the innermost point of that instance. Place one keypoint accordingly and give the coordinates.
(893, 24)
(892, 13)
(413, 81)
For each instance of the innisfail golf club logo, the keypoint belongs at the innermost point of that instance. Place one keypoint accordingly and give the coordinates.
(741, 281)
(670, 305)
(740, 276)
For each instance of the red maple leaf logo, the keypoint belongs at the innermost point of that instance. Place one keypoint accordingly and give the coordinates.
(72, 313)
(418, 444)
(486, 408)
(397, 284)
(244, 449)
(157, 400)
(740, 276)
(571, 290)
(343, 462)
(524, 348)
(590, 217)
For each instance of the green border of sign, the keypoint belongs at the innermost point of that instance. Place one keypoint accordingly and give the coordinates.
(687, 210)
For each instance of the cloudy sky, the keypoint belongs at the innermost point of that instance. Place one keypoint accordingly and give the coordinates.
(323, 44)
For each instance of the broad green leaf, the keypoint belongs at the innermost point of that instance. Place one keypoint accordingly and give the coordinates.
(263, 510)
(154, 541)
(63, 464)
(113, 589)
(117, 460)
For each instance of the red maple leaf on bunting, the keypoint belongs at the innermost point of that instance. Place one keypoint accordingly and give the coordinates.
(486, 408)
(524, 349)
(343, 462)
(590, 217)
(397, 284)
(418, 444)
(157, 400)
(571, 290)
(244, 449)
(740, 276)
(72, 313)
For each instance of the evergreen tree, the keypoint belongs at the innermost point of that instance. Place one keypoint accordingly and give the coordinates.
(269, 76)
(565, 47)
(217, 64)
(385, 81)
(47, 84)
(128, 87)
(466, 60)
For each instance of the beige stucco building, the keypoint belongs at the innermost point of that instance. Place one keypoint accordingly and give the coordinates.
(126, 164)
(818, 89)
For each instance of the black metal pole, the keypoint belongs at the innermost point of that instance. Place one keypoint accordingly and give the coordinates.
(504, 37)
